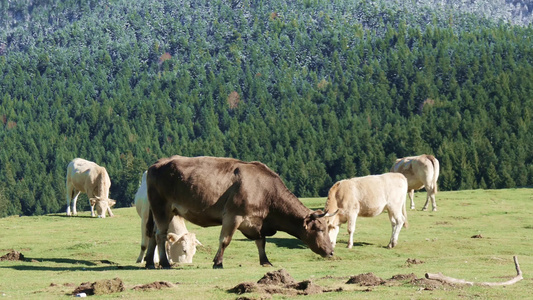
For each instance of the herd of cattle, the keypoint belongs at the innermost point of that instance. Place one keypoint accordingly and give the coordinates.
(251, 198)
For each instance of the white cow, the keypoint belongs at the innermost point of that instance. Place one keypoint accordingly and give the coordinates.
(420, 171)
(181, 244)
(367, 196)
(87, 177)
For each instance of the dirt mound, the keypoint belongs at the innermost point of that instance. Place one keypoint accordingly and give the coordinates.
(100, 287)
(12, 256)
(413, 261)
(278, 282)
(245, 287)
(306, 287)
(428, 284)
(276, 277)
(404, 277)
(368, 279)
(156, 285)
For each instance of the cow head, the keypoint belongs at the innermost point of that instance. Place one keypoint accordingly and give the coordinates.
(181, 249)
(316, 233)
(102, 205)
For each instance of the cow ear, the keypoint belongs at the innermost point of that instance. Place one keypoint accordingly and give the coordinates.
(172, 237)
(307, 221)
(92, 201)
(111, 202)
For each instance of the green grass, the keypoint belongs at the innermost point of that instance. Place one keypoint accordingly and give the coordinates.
(69, 251)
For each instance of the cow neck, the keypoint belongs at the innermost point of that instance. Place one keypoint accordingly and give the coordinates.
(290, 214)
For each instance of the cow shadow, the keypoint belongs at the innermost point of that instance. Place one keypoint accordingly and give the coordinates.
(362, 244)
(63, 215)
(289, 243)
(76, 265)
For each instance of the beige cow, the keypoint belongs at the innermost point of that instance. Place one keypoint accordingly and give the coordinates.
(87, 177)
(420, 171)
(181, 244)
(367, 196)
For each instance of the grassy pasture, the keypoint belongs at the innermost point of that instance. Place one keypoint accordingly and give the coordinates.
(61, 253)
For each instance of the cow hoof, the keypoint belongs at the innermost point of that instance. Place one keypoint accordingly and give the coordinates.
(151, 267)
(266, 264)
(435, 209)
(218, 266)
(424, 209)
(412, 207)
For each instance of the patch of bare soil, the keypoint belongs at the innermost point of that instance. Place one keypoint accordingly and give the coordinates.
(277, 277)
(156, 285)
(428, 284)
(422, 283)
(368, 279)
(477, 236)
(404, 277)
(12, 256)
(413, 261)
(278, 282)
(100, 287)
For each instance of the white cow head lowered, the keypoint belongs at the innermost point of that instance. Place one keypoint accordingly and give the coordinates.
(102, 205)
(181, 249)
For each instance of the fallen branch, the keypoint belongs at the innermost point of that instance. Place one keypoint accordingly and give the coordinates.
(451, 280)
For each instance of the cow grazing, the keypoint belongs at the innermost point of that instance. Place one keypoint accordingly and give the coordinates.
(420, 171)
(248, 196)
(367, 196)
(85, 176)
(181, 244)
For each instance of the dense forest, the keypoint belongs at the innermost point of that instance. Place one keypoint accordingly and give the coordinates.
(317, 90)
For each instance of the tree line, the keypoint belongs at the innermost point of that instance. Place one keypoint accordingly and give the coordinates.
(317, 90)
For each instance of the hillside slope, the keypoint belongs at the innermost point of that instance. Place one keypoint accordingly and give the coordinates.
(317, 90)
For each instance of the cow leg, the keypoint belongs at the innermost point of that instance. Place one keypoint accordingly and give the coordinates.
(229, 226)
(92, 208)
(397, 220)
(74, 195)
(69, 197)
(161, 239)
(263, 260)
(431, 196)
(144, 240)
(109, 211)
(352, 218)
(412, 197)
(150, 251)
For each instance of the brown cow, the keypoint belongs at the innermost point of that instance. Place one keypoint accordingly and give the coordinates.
(248, 196)
(85, 176)
(367, 196)
(420, 171)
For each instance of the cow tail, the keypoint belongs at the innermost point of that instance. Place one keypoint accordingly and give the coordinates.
(150, 224)
(436, 168)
